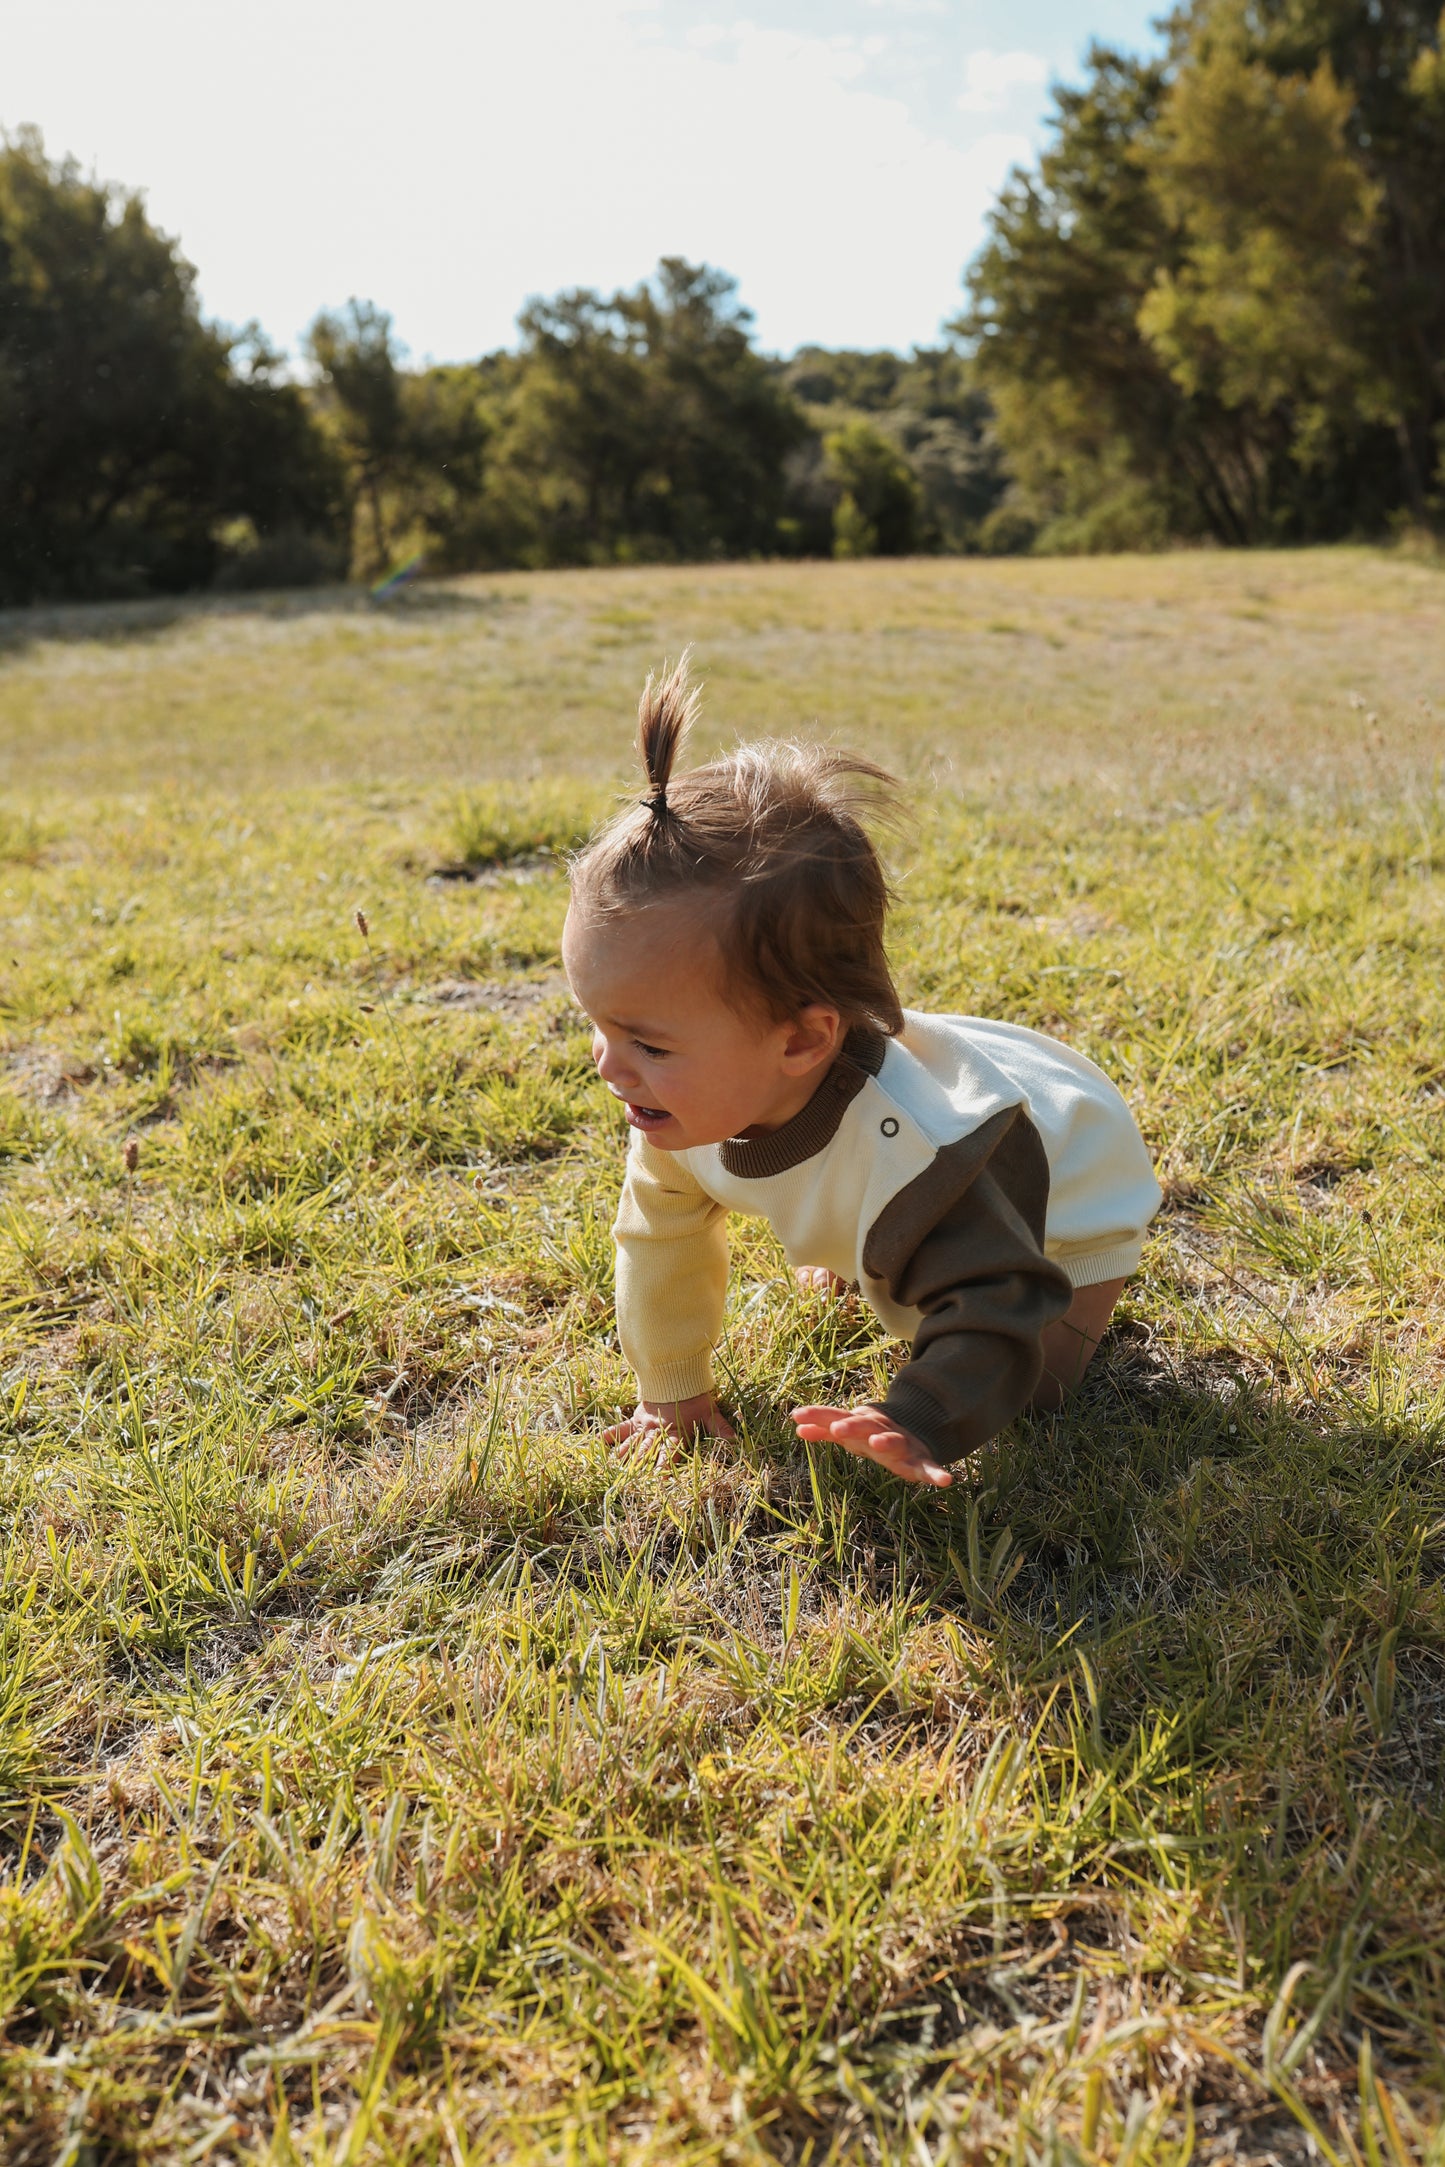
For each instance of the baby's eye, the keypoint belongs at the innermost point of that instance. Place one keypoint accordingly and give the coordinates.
(654, 1053)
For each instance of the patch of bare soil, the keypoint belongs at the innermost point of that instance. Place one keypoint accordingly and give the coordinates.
(506, 997)
(506, 872)
(47, 1077)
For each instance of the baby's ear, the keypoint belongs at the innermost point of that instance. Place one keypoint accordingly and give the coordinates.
(815, 1036)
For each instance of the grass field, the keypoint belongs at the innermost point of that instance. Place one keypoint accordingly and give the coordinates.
(389, 1775)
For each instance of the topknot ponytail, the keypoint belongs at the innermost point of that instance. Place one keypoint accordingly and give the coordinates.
(665, 714)
(776, 837)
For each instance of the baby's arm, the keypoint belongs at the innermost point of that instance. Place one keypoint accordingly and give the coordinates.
(963, 1244)
(672, 1270)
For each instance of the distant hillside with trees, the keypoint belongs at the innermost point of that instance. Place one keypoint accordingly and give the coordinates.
(1215, 312)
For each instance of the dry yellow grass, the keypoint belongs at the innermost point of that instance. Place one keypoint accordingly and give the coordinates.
(1144, 676)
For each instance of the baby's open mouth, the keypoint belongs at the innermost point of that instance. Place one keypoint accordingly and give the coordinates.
(646, 1117)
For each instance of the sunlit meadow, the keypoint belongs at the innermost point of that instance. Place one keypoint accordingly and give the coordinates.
(387, 1774)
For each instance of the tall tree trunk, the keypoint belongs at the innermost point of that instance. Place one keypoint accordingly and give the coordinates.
(378, 524)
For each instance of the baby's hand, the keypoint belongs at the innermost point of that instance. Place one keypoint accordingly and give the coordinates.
(869, 1433)
(656, 1419)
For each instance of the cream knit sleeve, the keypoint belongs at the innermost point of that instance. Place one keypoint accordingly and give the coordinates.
(672, 1273)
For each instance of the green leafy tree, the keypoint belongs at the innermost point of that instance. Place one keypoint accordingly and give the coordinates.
(414, 442)
(1268, 304)
(359, 392)
(131, 433)
(1423, 441)
(1386, 56)
(1107, 449)
(942, 420)
(930, 407)
(869, 382)
(726, 421)
(640, 424)
(1219, 306)
(576, 456)
(439, 482)
(877, 509)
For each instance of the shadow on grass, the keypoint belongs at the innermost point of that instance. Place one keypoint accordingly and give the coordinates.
(132, 622)
(1263, 1578)
(1228, 1607)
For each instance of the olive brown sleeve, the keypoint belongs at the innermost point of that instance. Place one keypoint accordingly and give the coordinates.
(964, 1243)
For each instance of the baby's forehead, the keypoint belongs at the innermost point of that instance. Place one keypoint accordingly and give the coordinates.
(668, 994)
(667, 937)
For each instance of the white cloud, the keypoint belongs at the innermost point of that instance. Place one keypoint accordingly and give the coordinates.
(451, 161)
(992, 80)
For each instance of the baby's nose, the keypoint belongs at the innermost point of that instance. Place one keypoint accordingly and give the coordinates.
(608, 1064)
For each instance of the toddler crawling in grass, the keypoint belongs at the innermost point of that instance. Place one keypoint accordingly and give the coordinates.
(984, 1188)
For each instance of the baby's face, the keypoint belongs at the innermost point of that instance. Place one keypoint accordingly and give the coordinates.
(688, 1068)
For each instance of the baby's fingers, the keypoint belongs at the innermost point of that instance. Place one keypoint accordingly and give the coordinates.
(815, 1424)
(870, 1440)
(624, 1435)
(910, 1468)
(866, 1433)
(895, 1450)
(905, 1456)
(862, 1430)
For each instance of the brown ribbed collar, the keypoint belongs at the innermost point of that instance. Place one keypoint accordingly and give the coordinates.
(814, 1125)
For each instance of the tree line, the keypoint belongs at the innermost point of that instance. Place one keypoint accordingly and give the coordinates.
(144, 450)
(1216, 310)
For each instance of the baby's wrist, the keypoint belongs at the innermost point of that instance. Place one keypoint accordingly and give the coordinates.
(693, 1409)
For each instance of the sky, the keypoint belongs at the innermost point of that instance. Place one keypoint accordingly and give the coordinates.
(837, 157)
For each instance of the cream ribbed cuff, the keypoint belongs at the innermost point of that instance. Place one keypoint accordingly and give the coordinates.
(684, 1379)
(1094, 1265)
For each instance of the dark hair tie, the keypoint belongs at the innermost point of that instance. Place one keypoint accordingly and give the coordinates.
(657, 804)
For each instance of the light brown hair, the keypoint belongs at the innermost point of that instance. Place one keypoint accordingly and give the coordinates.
(776, 833)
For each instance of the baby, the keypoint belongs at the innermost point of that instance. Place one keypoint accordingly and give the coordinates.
(984, 1188)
